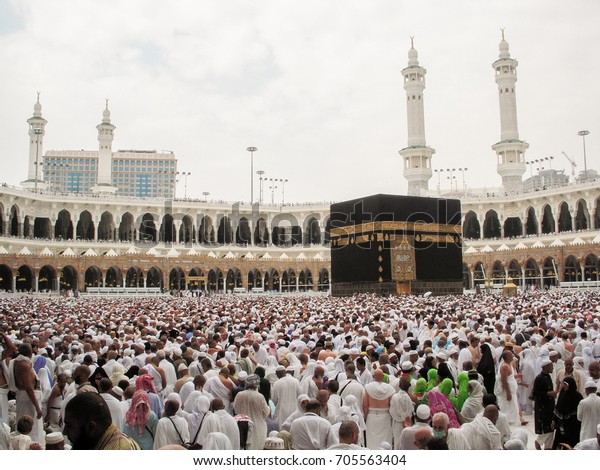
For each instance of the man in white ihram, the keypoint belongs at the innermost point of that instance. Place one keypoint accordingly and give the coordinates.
(376, 410)
(310, 431)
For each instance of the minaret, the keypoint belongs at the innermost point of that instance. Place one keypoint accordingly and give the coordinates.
(417, 156)
(106, 134)
(510, 150)
(37, 129)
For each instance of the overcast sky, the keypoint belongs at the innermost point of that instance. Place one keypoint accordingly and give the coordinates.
(316, 85)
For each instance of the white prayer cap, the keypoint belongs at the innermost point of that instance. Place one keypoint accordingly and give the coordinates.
(242, 375)
(423, 412)
(545, 362)
(117, 391)
(553, 353)
(279, 368)
(440, 354)
(182, 366)
(598, 429)
(591, 384)
(407, 366)
(54, 438)
(355, 351)
(290, 369)
(274, 443)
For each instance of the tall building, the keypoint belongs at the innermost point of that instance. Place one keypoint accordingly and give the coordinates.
(37, 129)
(144, 173)
(106, 135)
(135, 173)
(510, 150)
(129, 173)
(417, 155)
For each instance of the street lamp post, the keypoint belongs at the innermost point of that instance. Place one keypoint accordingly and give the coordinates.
(37, 131)
(530, 168)
(439, 173)
(462, 170)
(260, 185)
(185, 174)
(283, 181)
(583, 134)
(273, 188)
(205, 194)
(252, 150)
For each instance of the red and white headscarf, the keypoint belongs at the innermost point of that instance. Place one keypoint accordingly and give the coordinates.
(145, 382)
(139, 411)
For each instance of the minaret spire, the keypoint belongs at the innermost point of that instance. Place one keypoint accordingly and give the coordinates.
(510, 150)
(417, 155)
(37, 130)
(106, 134)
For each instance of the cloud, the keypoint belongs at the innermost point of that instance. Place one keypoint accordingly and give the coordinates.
(315, 85)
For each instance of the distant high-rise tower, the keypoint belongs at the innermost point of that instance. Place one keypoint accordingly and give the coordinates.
(510, 150)
(37, 129)
(417, 155)
(106, 134)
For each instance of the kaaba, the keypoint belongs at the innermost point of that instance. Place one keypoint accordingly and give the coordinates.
(389, 244)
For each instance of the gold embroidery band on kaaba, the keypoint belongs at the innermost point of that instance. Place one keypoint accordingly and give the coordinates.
(371, 227)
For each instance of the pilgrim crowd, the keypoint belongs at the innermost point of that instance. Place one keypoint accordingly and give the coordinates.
(301, 372)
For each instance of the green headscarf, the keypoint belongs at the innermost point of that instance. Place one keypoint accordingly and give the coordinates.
(432, 376)
(446, 387)
(420, 389)
(463, 393)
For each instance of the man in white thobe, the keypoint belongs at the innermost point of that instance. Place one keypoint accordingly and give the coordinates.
(116, 410)
(251, 403)
(351, 386)
(169, 369)
(220, 421)
(171, 429)
(407, 438)
(284, 393)
(401, 408)
(588, 412)
(310, 431)
(481, 433)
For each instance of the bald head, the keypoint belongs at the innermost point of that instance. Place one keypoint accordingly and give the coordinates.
(378, 375)
(349, 432)
(491, 412)
(422, 438)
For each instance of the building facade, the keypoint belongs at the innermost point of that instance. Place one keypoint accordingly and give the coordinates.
(543, 232)
(129, 173)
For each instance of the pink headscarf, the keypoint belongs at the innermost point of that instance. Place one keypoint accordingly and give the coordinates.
(438, 402)
(145, 382)
(139, 411)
